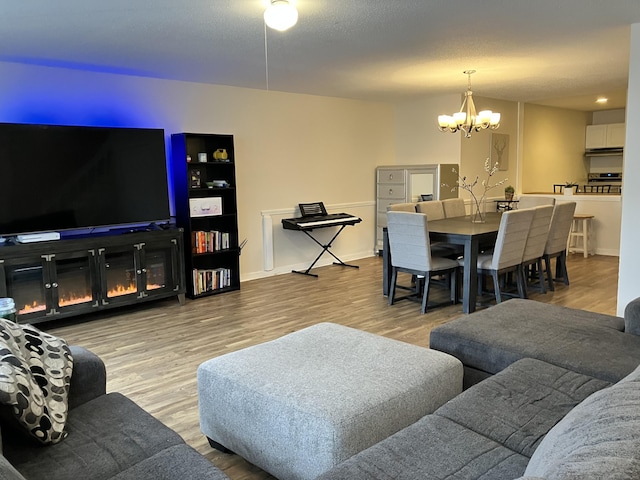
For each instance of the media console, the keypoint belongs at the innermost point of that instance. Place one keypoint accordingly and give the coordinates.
(56, 279)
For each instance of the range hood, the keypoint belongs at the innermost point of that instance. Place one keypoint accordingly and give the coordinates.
(603, 152)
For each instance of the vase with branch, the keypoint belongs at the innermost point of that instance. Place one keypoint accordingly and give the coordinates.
(478, 200)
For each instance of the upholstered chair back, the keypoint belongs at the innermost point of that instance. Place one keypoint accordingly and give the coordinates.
(432, 209)
(409, 240)
(560, 226)
(512, 238)
(454, 207)
(402, 207)
(538, 233)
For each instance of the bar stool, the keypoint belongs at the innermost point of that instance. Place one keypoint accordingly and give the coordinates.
(580, 233)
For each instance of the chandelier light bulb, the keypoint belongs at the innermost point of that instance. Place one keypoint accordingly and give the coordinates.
(467, 120)
(281, 15)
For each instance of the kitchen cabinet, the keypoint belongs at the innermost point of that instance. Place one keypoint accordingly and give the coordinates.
(610, 135)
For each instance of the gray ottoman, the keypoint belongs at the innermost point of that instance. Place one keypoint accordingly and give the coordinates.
(301, 404)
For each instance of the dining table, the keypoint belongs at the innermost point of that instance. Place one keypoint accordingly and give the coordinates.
(458, 231)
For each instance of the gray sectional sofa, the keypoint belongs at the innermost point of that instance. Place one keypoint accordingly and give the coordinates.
(602, 346)
(554, 393)
(109, 437)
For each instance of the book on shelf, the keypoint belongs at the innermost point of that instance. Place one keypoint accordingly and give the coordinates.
(208, 280)
(211, 241)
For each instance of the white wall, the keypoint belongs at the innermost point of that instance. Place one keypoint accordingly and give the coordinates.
(289, 148)
(629, 252)
(608, 116)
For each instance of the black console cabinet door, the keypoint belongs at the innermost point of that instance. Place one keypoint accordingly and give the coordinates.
(62, 278)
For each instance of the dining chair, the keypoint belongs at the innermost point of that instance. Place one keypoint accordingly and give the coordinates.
(531, 201)
(402, 207)
(534, 248)
(411, 253)
(433, 209)
(454, 207)
(508, 252)
(556, 246)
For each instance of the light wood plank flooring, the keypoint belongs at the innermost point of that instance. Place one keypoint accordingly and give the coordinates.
(152, 351)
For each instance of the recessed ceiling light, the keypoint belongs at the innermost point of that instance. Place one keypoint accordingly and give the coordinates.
(602, 100)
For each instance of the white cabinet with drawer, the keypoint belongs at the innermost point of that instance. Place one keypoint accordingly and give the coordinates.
(406, 183)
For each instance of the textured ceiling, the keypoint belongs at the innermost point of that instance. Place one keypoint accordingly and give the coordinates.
(557, 52)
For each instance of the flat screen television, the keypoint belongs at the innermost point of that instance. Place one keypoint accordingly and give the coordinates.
(69, 178)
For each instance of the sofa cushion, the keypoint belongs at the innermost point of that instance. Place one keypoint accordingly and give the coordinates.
(107, 435)
(433, 447)
(89, 379)
(180, 462)
(35, 372)
(600, 438)
(519, 405)
(589, 343)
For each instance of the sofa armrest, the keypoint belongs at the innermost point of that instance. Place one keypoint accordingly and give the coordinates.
(632, 317)
(89, 377)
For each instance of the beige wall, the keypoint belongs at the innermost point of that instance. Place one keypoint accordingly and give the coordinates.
(418, 140)
(289, 148)
(296, 148)
(552, 147)
(476, 149)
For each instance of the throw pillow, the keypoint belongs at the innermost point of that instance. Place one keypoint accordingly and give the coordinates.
(599, 438)
(35, 373)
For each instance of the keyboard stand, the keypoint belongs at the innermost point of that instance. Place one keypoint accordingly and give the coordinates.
(325, 248)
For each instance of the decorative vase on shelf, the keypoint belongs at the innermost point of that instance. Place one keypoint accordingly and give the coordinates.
(568, 190)
(478, 209)
(508, 193)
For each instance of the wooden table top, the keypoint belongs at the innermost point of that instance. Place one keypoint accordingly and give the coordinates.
(464, 225)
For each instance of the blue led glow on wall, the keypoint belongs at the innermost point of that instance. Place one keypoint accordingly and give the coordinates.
(58, 96)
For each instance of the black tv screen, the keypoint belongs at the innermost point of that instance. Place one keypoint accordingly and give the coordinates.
(57, 178)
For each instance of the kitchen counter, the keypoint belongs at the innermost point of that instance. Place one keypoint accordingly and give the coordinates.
(607, 212)
(551, 194)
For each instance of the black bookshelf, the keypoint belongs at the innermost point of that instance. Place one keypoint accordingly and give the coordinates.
(204, 183)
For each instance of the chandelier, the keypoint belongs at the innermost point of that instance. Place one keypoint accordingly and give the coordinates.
(280, 15)
(467, 120)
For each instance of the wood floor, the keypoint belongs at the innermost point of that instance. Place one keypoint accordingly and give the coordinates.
(152, 351)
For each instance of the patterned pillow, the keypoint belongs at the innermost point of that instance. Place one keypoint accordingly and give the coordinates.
(35, 372)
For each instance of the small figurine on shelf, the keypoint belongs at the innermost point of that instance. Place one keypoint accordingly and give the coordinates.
(220, 155)
(195, 179)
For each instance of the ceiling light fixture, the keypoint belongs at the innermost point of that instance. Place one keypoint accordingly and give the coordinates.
(281, 15)
(467, 120)
(602, 100)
